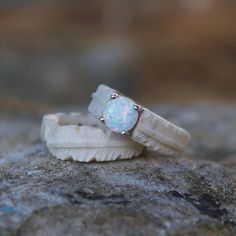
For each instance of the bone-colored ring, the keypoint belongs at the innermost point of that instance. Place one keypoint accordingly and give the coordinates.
(150, 129)
(82, 138)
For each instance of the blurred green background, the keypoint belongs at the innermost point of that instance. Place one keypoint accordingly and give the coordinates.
(55, 52)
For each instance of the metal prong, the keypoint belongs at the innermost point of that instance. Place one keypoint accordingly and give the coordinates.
(138, 108)
(102, 119)
(123, 133)
(114, 95)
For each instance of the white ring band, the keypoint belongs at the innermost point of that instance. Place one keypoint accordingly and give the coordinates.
(151, 130)
(82, 138)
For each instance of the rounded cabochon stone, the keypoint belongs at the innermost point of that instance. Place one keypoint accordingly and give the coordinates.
(120, 114)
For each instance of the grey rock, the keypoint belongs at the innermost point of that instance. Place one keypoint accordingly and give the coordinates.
(16, 134)
(149, 195)
(212, 126)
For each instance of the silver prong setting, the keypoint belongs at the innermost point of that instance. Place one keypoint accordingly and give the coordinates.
(123, 133)
(102, 119)
(138, 108)
(114, 95)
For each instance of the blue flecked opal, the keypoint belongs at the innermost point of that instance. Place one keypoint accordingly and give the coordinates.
(120, 115)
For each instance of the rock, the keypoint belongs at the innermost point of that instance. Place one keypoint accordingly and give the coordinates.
(149, 195)
(16, 134)
(212, 127)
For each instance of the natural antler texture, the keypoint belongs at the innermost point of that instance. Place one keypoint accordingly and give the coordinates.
(160, 135)
(82, 138)
(151, 130)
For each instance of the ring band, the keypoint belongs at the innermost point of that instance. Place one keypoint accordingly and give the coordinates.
(82, 138)
(122, 115)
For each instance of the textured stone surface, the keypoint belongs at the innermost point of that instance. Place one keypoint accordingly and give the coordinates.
(150, 195)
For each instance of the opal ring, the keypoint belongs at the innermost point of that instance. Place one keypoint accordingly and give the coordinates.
(122, 115)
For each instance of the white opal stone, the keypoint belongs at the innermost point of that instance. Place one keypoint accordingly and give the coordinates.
(120, 115)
